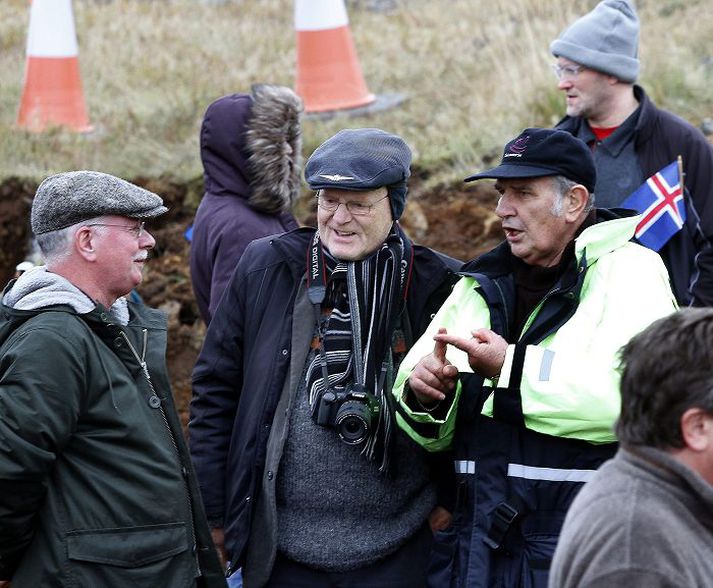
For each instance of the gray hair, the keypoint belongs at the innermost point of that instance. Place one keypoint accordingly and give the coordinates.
(56, 244)
(562, 186)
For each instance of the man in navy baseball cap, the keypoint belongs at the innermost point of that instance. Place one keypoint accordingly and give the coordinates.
(545, 179)
(522, 380)
(545, 152)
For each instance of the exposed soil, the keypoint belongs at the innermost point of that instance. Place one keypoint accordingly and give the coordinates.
(457, 220)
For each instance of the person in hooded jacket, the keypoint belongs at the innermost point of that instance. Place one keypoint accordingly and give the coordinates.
(251, 154)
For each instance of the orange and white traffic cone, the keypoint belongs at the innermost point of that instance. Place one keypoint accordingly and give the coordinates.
(328, 73)
(52, 94)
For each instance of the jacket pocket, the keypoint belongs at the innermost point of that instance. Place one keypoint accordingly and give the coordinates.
(135, 556)
(536, 561)
(442, 560)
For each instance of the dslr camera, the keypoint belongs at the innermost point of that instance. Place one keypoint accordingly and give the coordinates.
(351, 410)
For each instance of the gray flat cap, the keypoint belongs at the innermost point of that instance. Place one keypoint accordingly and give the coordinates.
(71, 197)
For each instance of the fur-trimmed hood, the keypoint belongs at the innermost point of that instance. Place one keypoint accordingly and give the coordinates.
(251, 147)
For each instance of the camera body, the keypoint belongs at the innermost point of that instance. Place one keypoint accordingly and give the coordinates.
(351, 410)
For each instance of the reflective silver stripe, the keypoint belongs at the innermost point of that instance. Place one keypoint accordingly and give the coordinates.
(464, 467)
(546, 366)
(517, 470)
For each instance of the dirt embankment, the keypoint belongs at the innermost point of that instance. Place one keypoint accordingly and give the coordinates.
(457, 220)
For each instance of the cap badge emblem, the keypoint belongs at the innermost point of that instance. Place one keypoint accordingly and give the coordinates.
(518, 147)
(335, 177)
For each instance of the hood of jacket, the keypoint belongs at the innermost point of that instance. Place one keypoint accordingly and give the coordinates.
(38, 290)
(251, 147)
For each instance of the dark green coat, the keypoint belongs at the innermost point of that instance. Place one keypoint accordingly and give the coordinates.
(96, 486)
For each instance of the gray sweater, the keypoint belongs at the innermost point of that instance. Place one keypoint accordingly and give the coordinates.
(336, 512)
(644, 520)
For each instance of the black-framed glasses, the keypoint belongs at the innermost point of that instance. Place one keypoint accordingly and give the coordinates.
(354, 207)
(567, 72)
(137, 230)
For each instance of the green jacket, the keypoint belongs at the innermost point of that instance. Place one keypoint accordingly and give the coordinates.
(96, 486)
(570, 383)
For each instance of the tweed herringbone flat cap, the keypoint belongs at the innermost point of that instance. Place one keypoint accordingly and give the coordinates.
(71, 197)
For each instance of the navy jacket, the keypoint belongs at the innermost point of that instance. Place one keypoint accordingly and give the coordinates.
(245, 359)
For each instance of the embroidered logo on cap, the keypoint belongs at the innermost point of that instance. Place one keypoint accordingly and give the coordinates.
(518, 147)
(335, 177)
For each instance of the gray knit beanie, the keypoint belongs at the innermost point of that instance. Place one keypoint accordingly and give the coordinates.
(606, 40)
(72, 197)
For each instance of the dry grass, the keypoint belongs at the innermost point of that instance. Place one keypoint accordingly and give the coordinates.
(475, 73)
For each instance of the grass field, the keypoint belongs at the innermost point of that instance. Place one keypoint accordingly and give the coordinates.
(475, 72)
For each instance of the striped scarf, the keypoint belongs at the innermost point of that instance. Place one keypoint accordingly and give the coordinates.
(362, 304)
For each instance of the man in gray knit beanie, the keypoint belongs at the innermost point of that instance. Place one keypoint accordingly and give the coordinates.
(606, 39)
(597, 69)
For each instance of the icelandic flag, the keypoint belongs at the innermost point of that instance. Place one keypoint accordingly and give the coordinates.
(660, 200)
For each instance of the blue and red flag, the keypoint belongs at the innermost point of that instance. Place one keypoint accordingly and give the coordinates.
(660, 200)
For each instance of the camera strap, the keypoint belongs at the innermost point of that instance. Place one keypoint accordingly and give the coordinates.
(316, 291)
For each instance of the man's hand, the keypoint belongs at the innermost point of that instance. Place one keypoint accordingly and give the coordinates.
(5, 584)
(219, 542)
(486, 350)
(439, 519)
(434, 375)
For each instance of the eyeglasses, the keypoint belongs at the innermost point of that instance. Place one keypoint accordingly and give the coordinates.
(137, 230)
(567, 72)
(355, 208)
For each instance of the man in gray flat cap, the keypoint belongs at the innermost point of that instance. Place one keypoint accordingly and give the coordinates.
(96, 484)
(305, 477)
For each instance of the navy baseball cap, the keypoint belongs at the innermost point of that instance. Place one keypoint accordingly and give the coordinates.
(362, 159)
(545, 152)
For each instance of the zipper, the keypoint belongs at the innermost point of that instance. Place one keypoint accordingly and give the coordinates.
(503, 300)
(555, 290)
(144, 368)
(534, 312)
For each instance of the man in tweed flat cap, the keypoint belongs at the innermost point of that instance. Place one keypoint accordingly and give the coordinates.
(90, 443)
(291, 423)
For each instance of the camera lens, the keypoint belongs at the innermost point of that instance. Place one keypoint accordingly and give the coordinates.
(353, 421)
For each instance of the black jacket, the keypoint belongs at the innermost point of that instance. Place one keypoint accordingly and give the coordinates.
(245, 359)
(660, 137)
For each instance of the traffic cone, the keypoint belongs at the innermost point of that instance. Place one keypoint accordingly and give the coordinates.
(52, 94)
(328, 73)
